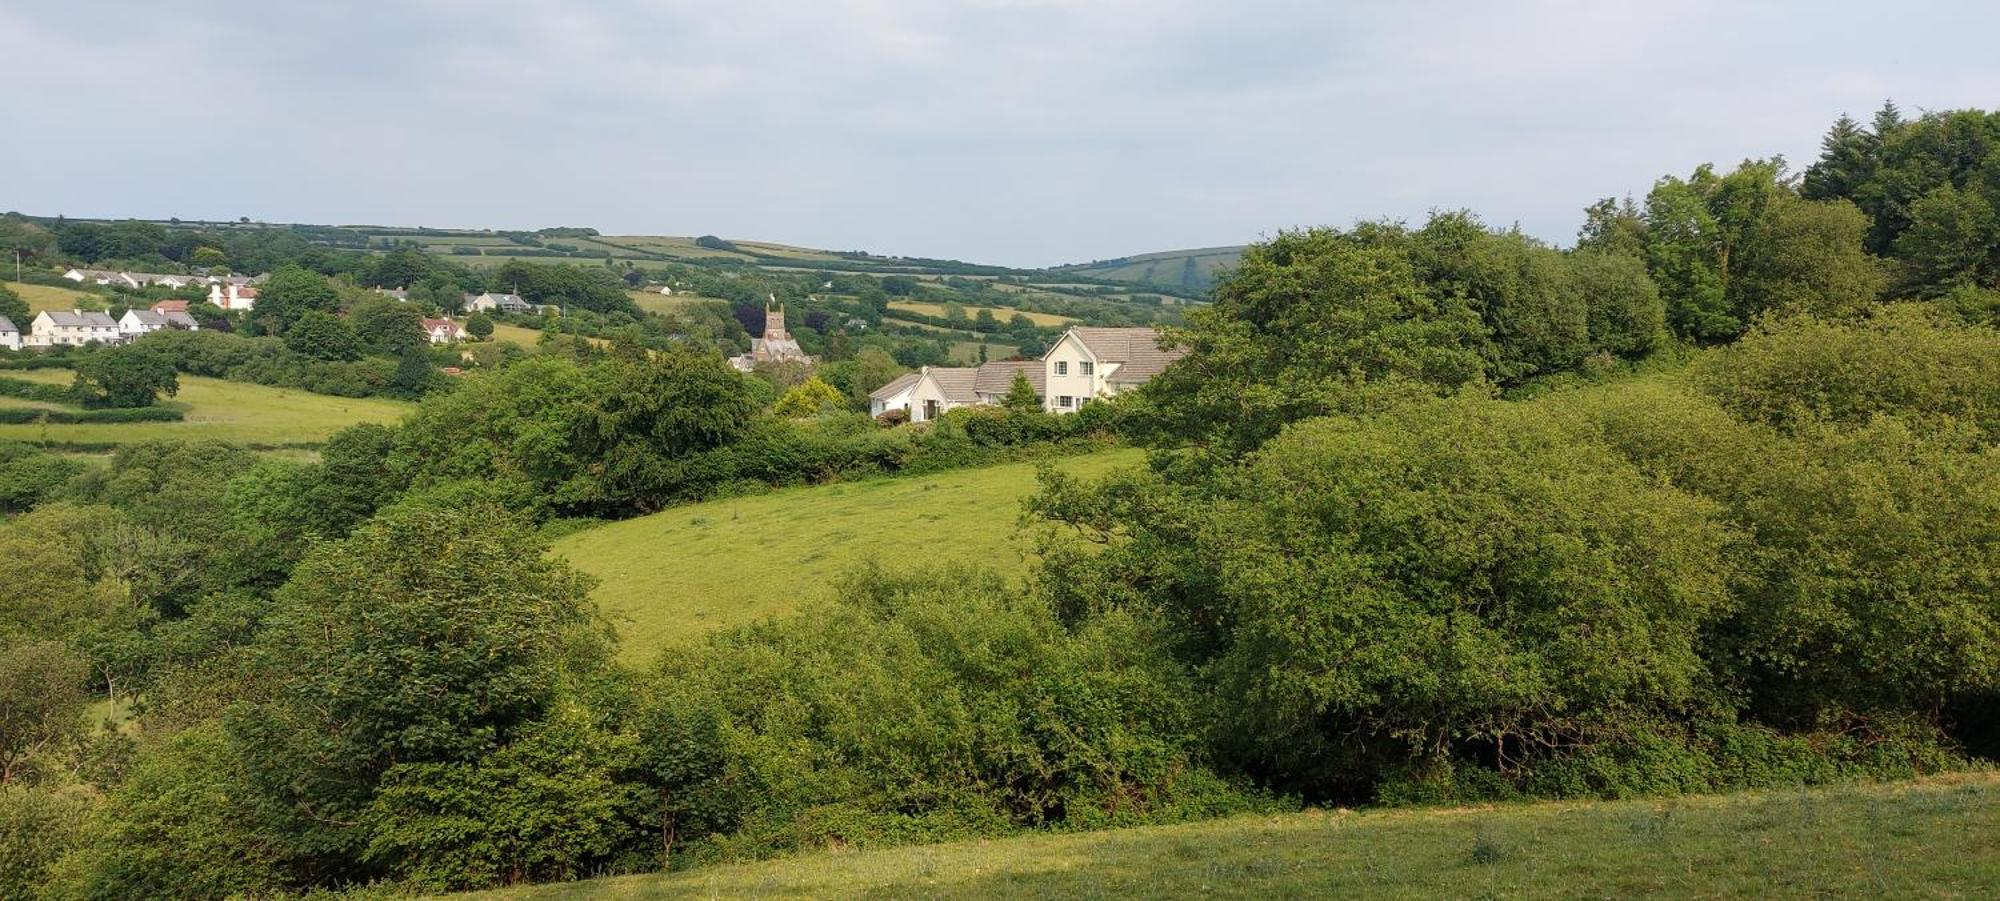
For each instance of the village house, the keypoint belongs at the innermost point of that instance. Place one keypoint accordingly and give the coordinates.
(777, 345)
(139, 322)
(231, 296)
(491, 302)
(402, 294)
(444, 331)
(1091, 362)
(1088, 363)
(170, 306)
(73, 328)
(10, 336)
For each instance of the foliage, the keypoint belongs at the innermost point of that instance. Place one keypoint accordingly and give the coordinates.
(291, 293)
(42, 698)
(388, 327)
(14, 309)
(479, 326)
(925, 708)
(133, 376)
(323, 336)
(28, 475)
(809, 398)
(1021, 397)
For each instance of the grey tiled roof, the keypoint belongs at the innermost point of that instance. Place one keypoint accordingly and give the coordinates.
(896, 386)
(998, 378)
(1137, 349)
(7, 325)
(70, 319)
(956, 383)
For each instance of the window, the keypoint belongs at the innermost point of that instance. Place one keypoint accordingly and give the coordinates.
(1065, 401)
(1086, 368)
(1062, 368)
(931, 410)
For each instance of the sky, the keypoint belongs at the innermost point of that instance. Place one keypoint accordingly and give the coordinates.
(1017, 132)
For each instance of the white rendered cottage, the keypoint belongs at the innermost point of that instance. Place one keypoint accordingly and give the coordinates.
(444, 331)
(139, 322)
(10, 336)
(1090, 362)
(73, 328)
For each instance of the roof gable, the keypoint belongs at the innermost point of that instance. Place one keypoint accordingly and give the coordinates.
(896, 386)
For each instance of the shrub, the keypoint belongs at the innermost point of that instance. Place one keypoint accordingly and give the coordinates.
(921, 708)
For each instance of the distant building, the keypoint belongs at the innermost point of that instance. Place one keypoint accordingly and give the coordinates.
(402, 294)
(491, 302)
(777, 345)
(893, 396)
(444, 331)
(139, 322)
(10, 336)
(927, 393)
(232, 296)
(171, 306)
(73, 328)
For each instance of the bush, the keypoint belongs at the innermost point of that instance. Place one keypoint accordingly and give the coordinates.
(921, 709)
(18, 415)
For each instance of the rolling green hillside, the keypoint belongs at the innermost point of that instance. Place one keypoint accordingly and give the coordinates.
(1933, 838)
(691, 569)
(1192, 270)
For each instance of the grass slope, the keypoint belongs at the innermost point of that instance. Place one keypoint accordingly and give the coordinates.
(688, 570)
(254, 415)
(1934, 838)
(46, 297)
(1191, 269)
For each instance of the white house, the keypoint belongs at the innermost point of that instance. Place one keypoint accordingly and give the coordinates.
(232, 296)
(72, 327)
(444, 331)
(138, 322)
(930, 391)
(1090, 362)
(10, 337)
(505, 303)
(402, 294)
(893, 396)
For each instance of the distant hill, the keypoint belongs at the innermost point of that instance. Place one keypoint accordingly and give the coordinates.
(1187, 270)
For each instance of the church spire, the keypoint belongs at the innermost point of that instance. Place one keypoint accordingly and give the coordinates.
(774, 320)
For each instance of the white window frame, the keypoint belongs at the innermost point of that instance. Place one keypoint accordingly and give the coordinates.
(1065, 402)
(1086, 368)
(1062, 367)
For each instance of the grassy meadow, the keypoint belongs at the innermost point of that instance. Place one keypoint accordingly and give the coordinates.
(255, 415)
(47, 297)
(692, 569)
(1935, 838)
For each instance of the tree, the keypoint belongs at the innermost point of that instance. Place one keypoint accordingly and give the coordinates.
(209, 257)
(414, 376)
(809, 398)
(1848, 158)
(1021, 395)
(1626, 316)
(436, 633)
(323, 336)
(1805, 256)
(386, 326)
(1951, 240)
(42, 699)
(1614, 227)
(479, 326)
(14, 308)
(130, 376)
(289, 294)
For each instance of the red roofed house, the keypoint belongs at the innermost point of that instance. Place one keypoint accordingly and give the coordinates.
(444, 331)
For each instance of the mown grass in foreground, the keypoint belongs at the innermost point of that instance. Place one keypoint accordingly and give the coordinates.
(1933, 838)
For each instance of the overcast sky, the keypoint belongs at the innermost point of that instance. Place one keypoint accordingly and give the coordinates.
(1024, 132)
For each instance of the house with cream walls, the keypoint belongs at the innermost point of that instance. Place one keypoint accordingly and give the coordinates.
(1091, 362)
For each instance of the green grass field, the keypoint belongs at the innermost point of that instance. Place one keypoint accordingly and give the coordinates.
(655, 302)
(254, 415)
(677, 574)
(45, 297)
(1192, 269)
(1936, 838)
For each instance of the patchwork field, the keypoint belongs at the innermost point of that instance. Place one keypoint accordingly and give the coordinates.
(685, 571)
(45, 297)
(1191, 269)
(1934, 838)
(254, 415)
(1000, 313)
(655, 302)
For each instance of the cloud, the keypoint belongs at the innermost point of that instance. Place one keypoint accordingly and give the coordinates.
(1019, 131)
